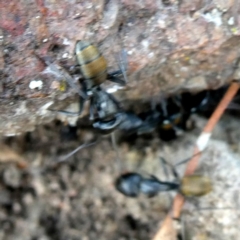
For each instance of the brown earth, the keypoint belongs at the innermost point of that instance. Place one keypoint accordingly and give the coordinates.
(77, 199)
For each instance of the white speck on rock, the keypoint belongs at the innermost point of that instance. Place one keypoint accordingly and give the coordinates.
(231, 21)
(66, 41)
(22, 109)
(36, 84)
(213, 16)
(145, 43)
(184, 69)
(151, 54)
(161, 24)
(65, 55)
(90, 5)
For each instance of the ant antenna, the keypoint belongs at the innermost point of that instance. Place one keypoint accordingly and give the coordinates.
(187, 159)
(64, 158)
(172, 168)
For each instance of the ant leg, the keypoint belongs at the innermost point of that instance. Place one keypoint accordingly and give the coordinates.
(81, 104)
(109, 125)
(123, 63)
(59, 72)
(203, 104)
(182, 233)
(113, 77)
(164, 163)
(145, 128)
(91, 110)
(187, 159)
(171, 167)
(164, 168)
(179, 163)
(114, 100)
(115, 73)
(66, 157)
(119, 166)
(177, 100)
(178, 130)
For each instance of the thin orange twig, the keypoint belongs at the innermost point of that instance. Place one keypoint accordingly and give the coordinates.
(167, 230)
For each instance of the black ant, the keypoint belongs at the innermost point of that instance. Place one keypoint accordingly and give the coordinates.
(133, 184)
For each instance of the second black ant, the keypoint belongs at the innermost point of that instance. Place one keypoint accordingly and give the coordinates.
(133, 184)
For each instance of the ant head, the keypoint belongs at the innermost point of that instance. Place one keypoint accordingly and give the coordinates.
(129, 184)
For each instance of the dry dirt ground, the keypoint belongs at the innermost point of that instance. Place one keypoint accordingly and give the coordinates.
(77, 199)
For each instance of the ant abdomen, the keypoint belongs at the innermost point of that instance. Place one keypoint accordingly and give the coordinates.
(195, 186)
(92, 64)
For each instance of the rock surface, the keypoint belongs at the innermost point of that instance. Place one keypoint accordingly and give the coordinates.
(171, 46)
